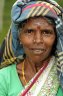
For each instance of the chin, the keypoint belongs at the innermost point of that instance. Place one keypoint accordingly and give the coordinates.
(39, 58)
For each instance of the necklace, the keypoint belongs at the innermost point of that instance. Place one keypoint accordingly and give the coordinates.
(23, 73)
(34, 80)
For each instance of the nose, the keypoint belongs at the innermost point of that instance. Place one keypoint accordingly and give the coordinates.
(38, 37)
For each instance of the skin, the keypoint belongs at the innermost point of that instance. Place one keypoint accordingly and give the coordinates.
(37, 36)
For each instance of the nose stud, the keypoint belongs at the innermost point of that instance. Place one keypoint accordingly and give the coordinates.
(34, 40)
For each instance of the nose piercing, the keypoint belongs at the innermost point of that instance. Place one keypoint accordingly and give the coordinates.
(34, 40)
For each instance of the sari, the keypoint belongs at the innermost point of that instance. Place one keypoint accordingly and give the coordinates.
(43, 83)
(21, 10)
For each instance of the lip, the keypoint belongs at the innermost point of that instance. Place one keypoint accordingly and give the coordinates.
(38, 50)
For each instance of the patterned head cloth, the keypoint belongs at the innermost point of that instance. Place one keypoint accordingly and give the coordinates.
(22, 10)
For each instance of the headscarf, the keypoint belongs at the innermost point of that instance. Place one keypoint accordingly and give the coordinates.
(22, 10)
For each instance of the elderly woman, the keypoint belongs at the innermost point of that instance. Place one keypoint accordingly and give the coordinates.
(33, 50)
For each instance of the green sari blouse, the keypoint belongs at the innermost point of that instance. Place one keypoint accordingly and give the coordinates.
(10, 84)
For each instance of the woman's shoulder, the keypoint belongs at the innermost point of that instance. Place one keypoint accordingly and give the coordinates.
(6, 74)
(7, 69)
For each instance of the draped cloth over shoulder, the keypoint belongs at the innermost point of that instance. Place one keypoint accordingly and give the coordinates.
(22, 10)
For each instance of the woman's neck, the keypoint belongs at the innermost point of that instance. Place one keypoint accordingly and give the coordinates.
(30, 69)
(35, 66)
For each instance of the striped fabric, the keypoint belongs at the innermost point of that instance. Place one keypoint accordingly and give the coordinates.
(22, 10)
(8, 56)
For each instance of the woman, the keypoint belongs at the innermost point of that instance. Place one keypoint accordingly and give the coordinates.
(34, 38)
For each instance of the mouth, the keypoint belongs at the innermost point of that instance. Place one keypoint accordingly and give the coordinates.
(38, 50)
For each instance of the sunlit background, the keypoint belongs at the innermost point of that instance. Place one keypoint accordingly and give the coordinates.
(5, 16)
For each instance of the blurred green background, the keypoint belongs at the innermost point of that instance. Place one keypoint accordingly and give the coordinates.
(5, 15)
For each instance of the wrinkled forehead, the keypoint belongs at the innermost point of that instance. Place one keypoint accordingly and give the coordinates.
(37, 20)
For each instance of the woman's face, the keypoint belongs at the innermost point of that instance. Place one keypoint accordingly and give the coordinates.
(37, 37)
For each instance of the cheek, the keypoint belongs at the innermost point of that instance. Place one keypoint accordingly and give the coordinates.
(26, 41)
(49, 42)
(49, 46)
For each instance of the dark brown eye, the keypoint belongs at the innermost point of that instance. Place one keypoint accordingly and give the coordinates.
(47, 32)
(29, 31)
